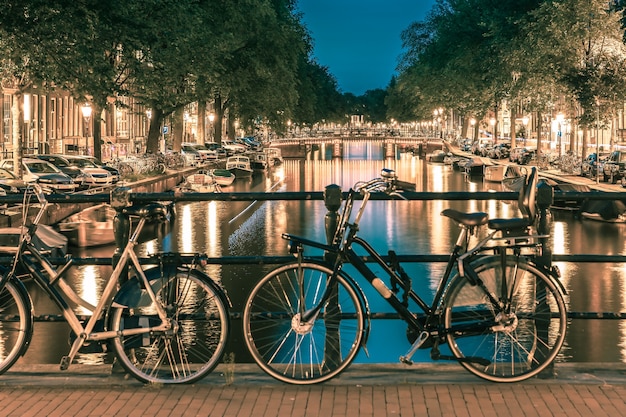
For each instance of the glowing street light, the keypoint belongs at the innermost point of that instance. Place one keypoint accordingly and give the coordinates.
(211, 120)
(87, 110)
(559, 120)
(473, 124)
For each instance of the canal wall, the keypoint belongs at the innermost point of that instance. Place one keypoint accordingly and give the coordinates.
(12, 217)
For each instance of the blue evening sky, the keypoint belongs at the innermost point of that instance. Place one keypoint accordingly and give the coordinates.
(359, 40)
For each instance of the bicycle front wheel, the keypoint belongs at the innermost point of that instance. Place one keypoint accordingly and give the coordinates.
(290, 349)
(16, 323)
(514, 340)
(196, 341)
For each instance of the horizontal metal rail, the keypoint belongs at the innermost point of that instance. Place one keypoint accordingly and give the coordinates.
(314, 195)
(319, 196)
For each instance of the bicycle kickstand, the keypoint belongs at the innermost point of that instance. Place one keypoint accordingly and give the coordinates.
(407, 359)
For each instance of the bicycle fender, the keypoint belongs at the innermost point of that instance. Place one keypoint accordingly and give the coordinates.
(132, 293)
(553, 273)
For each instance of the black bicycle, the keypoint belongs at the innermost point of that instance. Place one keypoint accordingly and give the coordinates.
(500, 312)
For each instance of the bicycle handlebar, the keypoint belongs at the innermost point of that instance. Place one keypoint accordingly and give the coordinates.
(387, 183)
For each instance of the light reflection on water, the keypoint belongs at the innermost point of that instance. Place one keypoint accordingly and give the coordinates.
(255, 228)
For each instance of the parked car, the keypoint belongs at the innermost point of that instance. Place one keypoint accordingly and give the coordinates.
(42, 172)
(500, 151)
(10, 184)
(232, 147)
(250, 142)
(62, 164)
(217, 148)
(526, 156)
(515, 153)
(115, 174)
(191, 155)
(590, 166)
(205, 153)
(84, 173)
(93, 175)
(614, 168)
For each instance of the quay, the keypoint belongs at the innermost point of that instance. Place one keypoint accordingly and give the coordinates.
(446, 390)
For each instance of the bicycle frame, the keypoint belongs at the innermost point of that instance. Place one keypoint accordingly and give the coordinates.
(49, 278)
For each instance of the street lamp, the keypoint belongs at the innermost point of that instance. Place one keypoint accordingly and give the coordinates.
(559, 121)
(211, 120)
(492, 122)
(86, 110)
(525, 121)
(473, 124)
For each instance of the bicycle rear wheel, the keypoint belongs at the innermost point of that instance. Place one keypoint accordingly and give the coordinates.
(194, 345)
(16, 323)
(294, 351)
(512, 343)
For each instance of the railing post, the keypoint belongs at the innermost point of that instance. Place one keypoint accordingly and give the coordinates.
(120, 198)
(332, 347)
(332, 201)
(545, 198)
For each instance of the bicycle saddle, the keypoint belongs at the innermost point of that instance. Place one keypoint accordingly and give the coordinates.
(466, 219)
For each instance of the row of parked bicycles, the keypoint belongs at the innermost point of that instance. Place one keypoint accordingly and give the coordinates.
(497, 311)
(148, 163)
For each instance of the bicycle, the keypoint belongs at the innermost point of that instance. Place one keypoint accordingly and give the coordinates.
(501, 314)
(167, 323)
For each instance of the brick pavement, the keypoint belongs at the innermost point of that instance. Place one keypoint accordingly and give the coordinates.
(369, 390)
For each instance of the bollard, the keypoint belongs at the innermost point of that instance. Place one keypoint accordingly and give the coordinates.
(332, 346)
(120, 199)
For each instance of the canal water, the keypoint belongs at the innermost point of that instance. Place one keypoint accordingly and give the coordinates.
(409, 227)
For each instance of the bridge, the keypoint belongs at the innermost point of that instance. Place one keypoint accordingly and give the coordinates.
(297, 147)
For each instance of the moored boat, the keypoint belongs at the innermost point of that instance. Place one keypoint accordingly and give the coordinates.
(90, 227)
(223, 177)
(201, 182)
(240, 166)
(475, 167)
(258, 161)
(274, 156)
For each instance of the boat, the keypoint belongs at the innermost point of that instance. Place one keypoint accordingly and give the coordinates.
(94, 226)
(223, 177)
(240, 166)
(475, 167)
(502, 172)
(46, 239)
(437, 156)
(274, 156)
(90, 227)
(201, 182)
(258, 161)
(608, 211)
(495, 173)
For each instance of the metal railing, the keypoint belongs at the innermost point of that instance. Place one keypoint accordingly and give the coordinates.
(548, 196)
